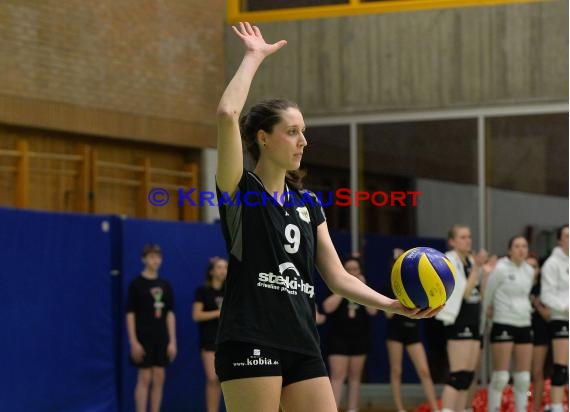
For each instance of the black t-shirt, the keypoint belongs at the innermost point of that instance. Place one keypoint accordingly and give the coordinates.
(535, 291)
(150, 300)
(211, 299)
(349, 320)
(270, 294)
(471, 305)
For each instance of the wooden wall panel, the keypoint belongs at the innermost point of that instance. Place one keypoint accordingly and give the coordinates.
(465, 57)
(59, 193)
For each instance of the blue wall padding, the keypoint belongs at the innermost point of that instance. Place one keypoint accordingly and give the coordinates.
(64, 280)
(57, 337)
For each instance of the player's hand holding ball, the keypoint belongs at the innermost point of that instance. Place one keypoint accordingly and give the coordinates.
(422, 280)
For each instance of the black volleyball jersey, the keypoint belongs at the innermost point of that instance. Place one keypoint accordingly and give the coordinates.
(536, 319)
(270, 294)
(471, 305)
(211, 300)
(349, 320)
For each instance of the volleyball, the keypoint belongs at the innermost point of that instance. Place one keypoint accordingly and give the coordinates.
(422, 277)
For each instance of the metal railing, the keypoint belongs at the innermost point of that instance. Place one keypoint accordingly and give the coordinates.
(90, 173)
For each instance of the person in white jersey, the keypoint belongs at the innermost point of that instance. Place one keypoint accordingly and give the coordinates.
(461, 317)
(507, 304)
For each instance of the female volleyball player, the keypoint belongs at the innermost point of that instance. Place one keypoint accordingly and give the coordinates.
(206, 311)
(554, 294)
(461, 318)
(507, 304)
(403, 332)
(348, 340)
(540, 335)
(268, 347)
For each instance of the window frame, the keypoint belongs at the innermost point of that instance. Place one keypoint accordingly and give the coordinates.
(235, 12)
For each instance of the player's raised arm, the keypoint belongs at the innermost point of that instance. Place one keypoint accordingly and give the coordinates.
(230, 158)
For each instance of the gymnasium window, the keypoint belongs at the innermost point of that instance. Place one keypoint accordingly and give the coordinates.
(409, 156)
(437, 149)
(259, 5)
(327, 161)
(529, 154)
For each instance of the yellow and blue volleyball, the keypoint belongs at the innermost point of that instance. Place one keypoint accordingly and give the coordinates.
(423, 277)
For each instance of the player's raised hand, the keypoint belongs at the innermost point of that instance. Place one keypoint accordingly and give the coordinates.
(253, 40)
(481, 257)
(490, 264)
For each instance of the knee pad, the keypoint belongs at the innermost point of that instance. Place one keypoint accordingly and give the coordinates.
(460, 380)
(559, 375)
(466, 379)
(499, 380)
(454, 380)
(521, 381)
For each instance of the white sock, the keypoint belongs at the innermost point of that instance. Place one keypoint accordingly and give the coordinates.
(521, 383)
(499, 380)
(556, 407)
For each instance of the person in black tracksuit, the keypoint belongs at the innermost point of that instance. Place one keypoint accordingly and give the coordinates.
(206, 311)
(268, 351)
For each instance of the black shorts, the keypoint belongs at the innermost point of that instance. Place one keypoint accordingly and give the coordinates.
(155, 354)
(462, 332)
(208, 347)
(507, 333)
(404, 331)
(558, 329)
(540, 331)
(348, 345)
(238, 360)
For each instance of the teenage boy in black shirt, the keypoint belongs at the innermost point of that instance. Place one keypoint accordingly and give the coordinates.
(151, 328)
